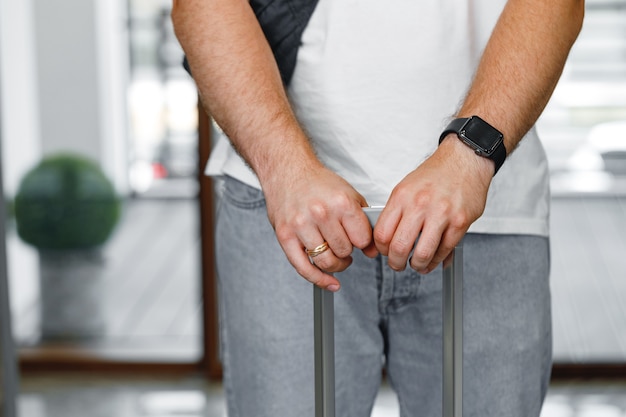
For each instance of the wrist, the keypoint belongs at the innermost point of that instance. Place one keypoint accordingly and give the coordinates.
(283, 169)
(483, 139)
(462, 157)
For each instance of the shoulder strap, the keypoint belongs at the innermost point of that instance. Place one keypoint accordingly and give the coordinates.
(283, 22)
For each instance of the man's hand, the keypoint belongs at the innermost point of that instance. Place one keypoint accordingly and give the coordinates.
(437, 202)
(314, 206)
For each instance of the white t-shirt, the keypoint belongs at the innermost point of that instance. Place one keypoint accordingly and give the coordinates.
(375, 84)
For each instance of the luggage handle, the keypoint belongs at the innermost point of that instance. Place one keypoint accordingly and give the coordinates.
(324, 331)
(453, 334)
(324, 339)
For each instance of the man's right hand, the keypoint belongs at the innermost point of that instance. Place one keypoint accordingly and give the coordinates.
(313, 206)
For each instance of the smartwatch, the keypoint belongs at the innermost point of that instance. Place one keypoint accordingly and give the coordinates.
(484, 139)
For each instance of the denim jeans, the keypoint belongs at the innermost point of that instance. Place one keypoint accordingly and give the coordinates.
(383, 319)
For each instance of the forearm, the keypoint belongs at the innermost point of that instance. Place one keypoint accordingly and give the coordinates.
(522, 63)
(240, 85)
(307, 204)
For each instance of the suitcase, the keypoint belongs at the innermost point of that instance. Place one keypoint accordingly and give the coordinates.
(452, 342)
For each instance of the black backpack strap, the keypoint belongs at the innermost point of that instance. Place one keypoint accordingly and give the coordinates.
(283, 22)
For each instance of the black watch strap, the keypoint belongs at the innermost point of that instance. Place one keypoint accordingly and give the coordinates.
(498, 155)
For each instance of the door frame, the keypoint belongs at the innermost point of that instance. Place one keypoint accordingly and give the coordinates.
(211, 362)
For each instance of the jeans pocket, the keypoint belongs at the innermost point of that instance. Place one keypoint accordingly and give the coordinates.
(241, 195)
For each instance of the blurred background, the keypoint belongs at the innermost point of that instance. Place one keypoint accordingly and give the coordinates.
(129, 328)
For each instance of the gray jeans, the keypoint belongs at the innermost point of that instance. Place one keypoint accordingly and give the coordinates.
(382, 319)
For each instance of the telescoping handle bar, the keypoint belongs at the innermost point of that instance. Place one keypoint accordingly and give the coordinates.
(324, 330)
(453, 334)
(323, 304)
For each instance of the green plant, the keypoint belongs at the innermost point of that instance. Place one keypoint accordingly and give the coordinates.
(66, 202)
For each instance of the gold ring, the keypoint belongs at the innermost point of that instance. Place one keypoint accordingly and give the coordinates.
(319, 249)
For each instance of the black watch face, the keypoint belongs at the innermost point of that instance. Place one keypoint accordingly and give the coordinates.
(482, 134)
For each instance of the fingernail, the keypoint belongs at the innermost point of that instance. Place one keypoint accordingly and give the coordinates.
(333, 287)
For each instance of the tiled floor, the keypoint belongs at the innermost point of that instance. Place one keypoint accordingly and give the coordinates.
(589, 278)
(74, 396)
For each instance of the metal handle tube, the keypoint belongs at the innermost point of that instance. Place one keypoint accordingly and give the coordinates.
(323, 303)
(324, 334)
(453, 335)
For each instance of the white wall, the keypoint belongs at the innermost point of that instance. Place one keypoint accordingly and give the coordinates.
(64, 78)
(81, 65)
(21, 141)
(112, 46)
(67, 76)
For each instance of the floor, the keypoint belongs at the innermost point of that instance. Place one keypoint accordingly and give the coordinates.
(588, 279)
(70, 396)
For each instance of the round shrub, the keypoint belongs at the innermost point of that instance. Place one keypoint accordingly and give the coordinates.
(66, 202)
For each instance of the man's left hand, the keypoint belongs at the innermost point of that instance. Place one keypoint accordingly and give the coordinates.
(436, 202)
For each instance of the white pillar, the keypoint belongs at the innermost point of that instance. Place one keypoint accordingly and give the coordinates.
(112, 44)
(81, 72)
(20, 133)
(21, 142)
(68, 76)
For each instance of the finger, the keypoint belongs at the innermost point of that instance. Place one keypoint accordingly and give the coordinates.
(427, 246)
(385, 228)
(344, 225)
(337, 238)
(357, 228)
(332, 264)
(370, 251)
(450, 239)
(403, 241)
(327, 260)
(361, 233)
(300, 261)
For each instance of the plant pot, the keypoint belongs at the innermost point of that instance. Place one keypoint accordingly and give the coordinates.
(71, 294)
